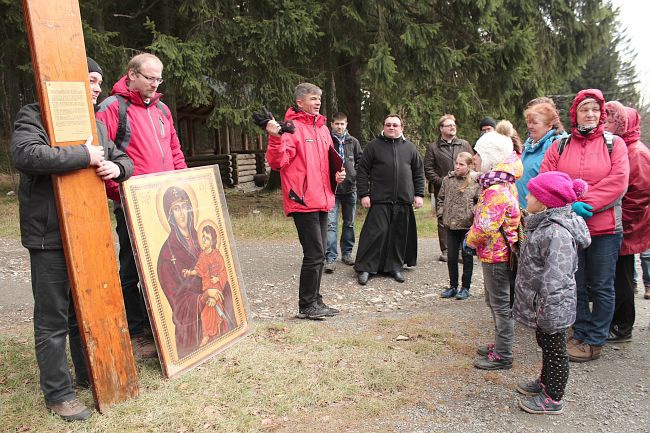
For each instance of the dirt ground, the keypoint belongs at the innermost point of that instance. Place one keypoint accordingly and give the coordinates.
(611, 394)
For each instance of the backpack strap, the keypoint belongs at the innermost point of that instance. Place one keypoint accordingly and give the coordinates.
(609, 141)
(562, 144)
(161, 107)
(121, 122)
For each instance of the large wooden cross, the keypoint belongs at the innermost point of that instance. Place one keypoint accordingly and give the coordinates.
(59, 62)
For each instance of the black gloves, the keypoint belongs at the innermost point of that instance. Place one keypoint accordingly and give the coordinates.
(261, 118)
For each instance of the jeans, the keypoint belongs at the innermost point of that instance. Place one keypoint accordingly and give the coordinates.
(454, 243)
(645, 267)
(497, 297)
(348, 204)
(312, 233)
(54, 319)
(136, 311)
(595, 282)
(624, 313)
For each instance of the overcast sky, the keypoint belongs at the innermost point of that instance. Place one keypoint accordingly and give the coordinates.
(635, 15)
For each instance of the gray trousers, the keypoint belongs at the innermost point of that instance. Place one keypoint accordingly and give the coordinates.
(54, 317)
(497, 296)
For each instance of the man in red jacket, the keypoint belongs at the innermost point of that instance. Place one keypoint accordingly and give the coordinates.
(302, 157)
(142, 126)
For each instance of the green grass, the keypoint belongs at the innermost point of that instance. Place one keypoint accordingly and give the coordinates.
(255, 215)
(283, 376)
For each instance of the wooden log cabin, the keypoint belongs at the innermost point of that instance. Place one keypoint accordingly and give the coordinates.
(240, 155)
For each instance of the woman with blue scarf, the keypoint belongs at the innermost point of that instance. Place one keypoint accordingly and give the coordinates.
(544, 126)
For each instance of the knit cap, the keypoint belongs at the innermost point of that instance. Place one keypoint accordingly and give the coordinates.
(556, 189)
(493, 148)
(487, 121)
(93, 66)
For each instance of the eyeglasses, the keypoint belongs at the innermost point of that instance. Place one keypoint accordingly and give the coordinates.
(151, 80)
(394, 125)
(451, 125)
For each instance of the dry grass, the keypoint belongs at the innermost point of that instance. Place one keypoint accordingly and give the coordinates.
(281, 378)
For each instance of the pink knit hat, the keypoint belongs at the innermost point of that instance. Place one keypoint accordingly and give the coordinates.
(556, 189)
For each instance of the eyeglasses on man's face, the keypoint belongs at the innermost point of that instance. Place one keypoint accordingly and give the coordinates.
(151, 80)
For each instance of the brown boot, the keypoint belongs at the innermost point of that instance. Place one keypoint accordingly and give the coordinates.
(143, 347)
(583, 352)
(573, 342)
(647, 292)
(71, 410)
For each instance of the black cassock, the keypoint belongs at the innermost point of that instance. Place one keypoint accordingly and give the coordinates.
(388, 239)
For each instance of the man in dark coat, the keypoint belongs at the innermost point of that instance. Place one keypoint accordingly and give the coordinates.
(54, 314)
(390, 182)
(439, 160)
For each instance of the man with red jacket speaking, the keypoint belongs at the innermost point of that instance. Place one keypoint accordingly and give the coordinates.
(142, 126)
(302, 157)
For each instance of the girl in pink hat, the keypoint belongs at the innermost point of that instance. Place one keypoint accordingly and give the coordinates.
(545, 290)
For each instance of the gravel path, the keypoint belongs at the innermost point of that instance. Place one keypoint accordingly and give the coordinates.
(611, 394)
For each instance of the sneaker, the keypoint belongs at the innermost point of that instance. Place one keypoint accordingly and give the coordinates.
(143, 347)
(493, 362)
(330, 267)
(646, 295)
(313, 312)
(71, 410)
(484, 350)
(530, 387)
(463, 294)
(449, 293)
(331, 311)
(615, 337)
(541, 404)
(347, 259)
(584, 352)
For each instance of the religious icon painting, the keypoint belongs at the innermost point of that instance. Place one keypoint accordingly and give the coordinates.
(187, 261)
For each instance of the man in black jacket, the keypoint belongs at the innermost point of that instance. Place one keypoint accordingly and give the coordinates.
(439, 160)
(390, 182)
(54, 315)
(345, 195)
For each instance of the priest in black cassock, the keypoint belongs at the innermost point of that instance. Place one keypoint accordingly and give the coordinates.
(390, 183)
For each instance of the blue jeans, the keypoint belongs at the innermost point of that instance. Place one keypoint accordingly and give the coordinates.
(595, 283)
(645, 267)
(348, 204)
(496, 277)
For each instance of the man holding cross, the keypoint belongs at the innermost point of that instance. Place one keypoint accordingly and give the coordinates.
(54, 314)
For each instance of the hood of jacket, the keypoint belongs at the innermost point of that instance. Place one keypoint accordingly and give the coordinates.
(573, 112)
(633, 132)
(122, 88)
(564, 217)
(296, 115)
(512, 166)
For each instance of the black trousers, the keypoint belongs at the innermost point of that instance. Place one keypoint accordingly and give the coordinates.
(136, 311)
(555, 363)
(624, 314)
(454, 244)
(54, 319)
(312, 233)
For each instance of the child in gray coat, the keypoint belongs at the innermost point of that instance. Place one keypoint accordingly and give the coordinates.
(545, 291)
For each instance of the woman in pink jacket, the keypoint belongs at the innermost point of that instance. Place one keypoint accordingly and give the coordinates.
(624, 122)
(601, 160)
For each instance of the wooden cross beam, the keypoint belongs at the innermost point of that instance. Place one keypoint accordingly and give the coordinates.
(60, 68)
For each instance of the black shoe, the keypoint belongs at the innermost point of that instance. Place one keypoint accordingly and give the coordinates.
(313, 312)
(615, 337)
(362, 277)
(397, 276)
(493, 362)
(347, 259)
(331, 311)
(82, 383)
